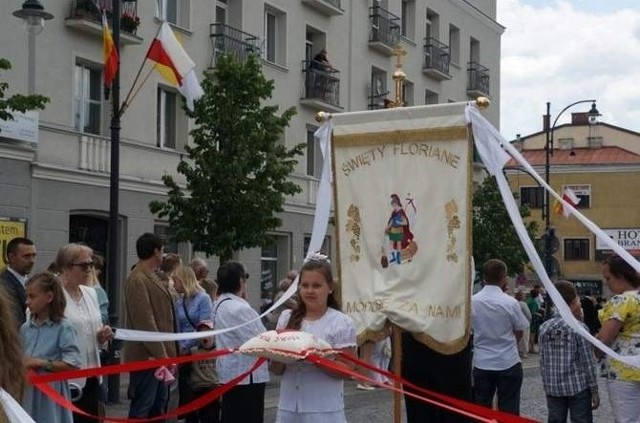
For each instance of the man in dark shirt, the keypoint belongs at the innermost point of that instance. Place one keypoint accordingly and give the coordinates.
(590, 314)
(21, 256)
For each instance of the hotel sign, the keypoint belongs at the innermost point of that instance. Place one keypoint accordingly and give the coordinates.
(629, 239)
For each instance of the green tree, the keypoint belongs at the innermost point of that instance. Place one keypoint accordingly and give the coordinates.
(17, 102)
(493, 233)
(237, 170)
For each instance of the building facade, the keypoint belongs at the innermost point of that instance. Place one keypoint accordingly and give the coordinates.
(59, 185)
(601, 165)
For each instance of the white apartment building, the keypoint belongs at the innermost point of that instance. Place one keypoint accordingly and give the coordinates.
(60, 185)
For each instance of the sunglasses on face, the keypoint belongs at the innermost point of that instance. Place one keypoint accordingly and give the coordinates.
(84, 266)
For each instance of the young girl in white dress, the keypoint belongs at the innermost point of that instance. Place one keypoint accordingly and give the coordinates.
(309, 394)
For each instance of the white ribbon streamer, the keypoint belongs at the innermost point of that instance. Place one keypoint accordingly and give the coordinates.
(320, 224)
(490, 145)
(14, 412)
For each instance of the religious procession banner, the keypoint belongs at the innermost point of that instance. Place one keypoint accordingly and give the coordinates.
(402, 186)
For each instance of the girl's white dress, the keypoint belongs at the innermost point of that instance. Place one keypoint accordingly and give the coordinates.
(308, 394)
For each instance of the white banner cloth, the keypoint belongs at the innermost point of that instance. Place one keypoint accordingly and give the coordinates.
(403, 198)
(14, 412)
(493, 149)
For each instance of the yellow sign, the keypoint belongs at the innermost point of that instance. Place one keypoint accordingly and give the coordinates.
(10, 229)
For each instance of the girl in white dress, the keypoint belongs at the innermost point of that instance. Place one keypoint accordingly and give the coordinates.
(309, 394)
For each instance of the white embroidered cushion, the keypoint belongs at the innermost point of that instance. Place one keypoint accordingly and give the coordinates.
(285, 347)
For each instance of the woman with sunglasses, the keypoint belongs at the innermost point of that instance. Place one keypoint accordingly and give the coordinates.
(74, 262)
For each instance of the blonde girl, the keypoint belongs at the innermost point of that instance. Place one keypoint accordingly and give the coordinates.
(49, 344)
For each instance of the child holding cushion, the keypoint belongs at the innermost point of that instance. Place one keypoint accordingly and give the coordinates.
(308, 393)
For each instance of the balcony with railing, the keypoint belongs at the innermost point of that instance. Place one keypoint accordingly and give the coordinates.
(321, 86)
(227, 39)
(385, 30)
(478, 80)
(86, 16)
(437, 57)
(326, 7)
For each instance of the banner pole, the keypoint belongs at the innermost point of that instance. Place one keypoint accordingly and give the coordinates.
(396, 338)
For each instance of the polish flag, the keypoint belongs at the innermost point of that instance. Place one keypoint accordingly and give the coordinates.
(109, 53)
(175, 65)
(571, 198)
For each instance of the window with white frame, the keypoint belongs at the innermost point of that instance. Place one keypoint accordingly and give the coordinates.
(532, 197)
(576, 249)
(408, 18)
(221, 11)
(378, 89)
(175, 12)
(314, 154)
(166, 121)
(430, 97)
(474, 50)
(454, 43)
(432, 25)
(583, 192)
(88, 99)
(407, 93)
(274, 264)
(275, 35)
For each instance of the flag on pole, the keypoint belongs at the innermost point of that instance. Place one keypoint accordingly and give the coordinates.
(175, 65)
(570, 197)
(109, 53)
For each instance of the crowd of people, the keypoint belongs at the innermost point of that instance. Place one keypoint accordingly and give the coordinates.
(57, 320)
(568, 361)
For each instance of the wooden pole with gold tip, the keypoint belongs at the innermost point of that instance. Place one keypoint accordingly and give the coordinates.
(396, 331)
(398, 77)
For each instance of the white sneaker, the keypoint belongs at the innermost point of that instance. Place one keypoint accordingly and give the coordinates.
(365, 387)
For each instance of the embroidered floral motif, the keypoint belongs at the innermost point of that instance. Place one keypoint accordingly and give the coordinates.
(354, 226)
(453, 223)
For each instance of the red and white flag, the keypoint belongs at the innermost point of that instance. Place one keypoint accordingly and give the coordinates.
(570, 197)
(175, 65)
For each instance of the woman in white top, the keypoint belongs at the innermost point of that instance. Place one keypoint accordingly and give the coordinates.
(309, 394)
(245, 402)
(74, 262)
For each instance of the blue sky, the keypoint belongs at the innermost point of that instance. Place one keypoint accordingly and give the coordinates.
(562, 51)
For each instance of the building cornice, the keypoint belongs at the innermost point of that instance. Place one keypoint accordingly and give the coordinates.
(51, 127)
(479, 14)
(80, 177)
(16, 151)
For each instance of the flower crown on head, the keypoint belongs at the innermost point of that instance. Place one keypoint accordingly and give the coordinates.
(317, 256)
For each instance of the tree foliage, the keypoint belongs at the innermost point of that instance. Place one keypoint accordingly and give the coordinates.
(17, 102)
(237, 170)
(493, 233)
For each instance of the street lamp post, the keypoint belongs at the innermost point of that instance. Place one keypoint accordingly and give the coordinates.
(33, 15)
(114, 204)
(549, 232)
